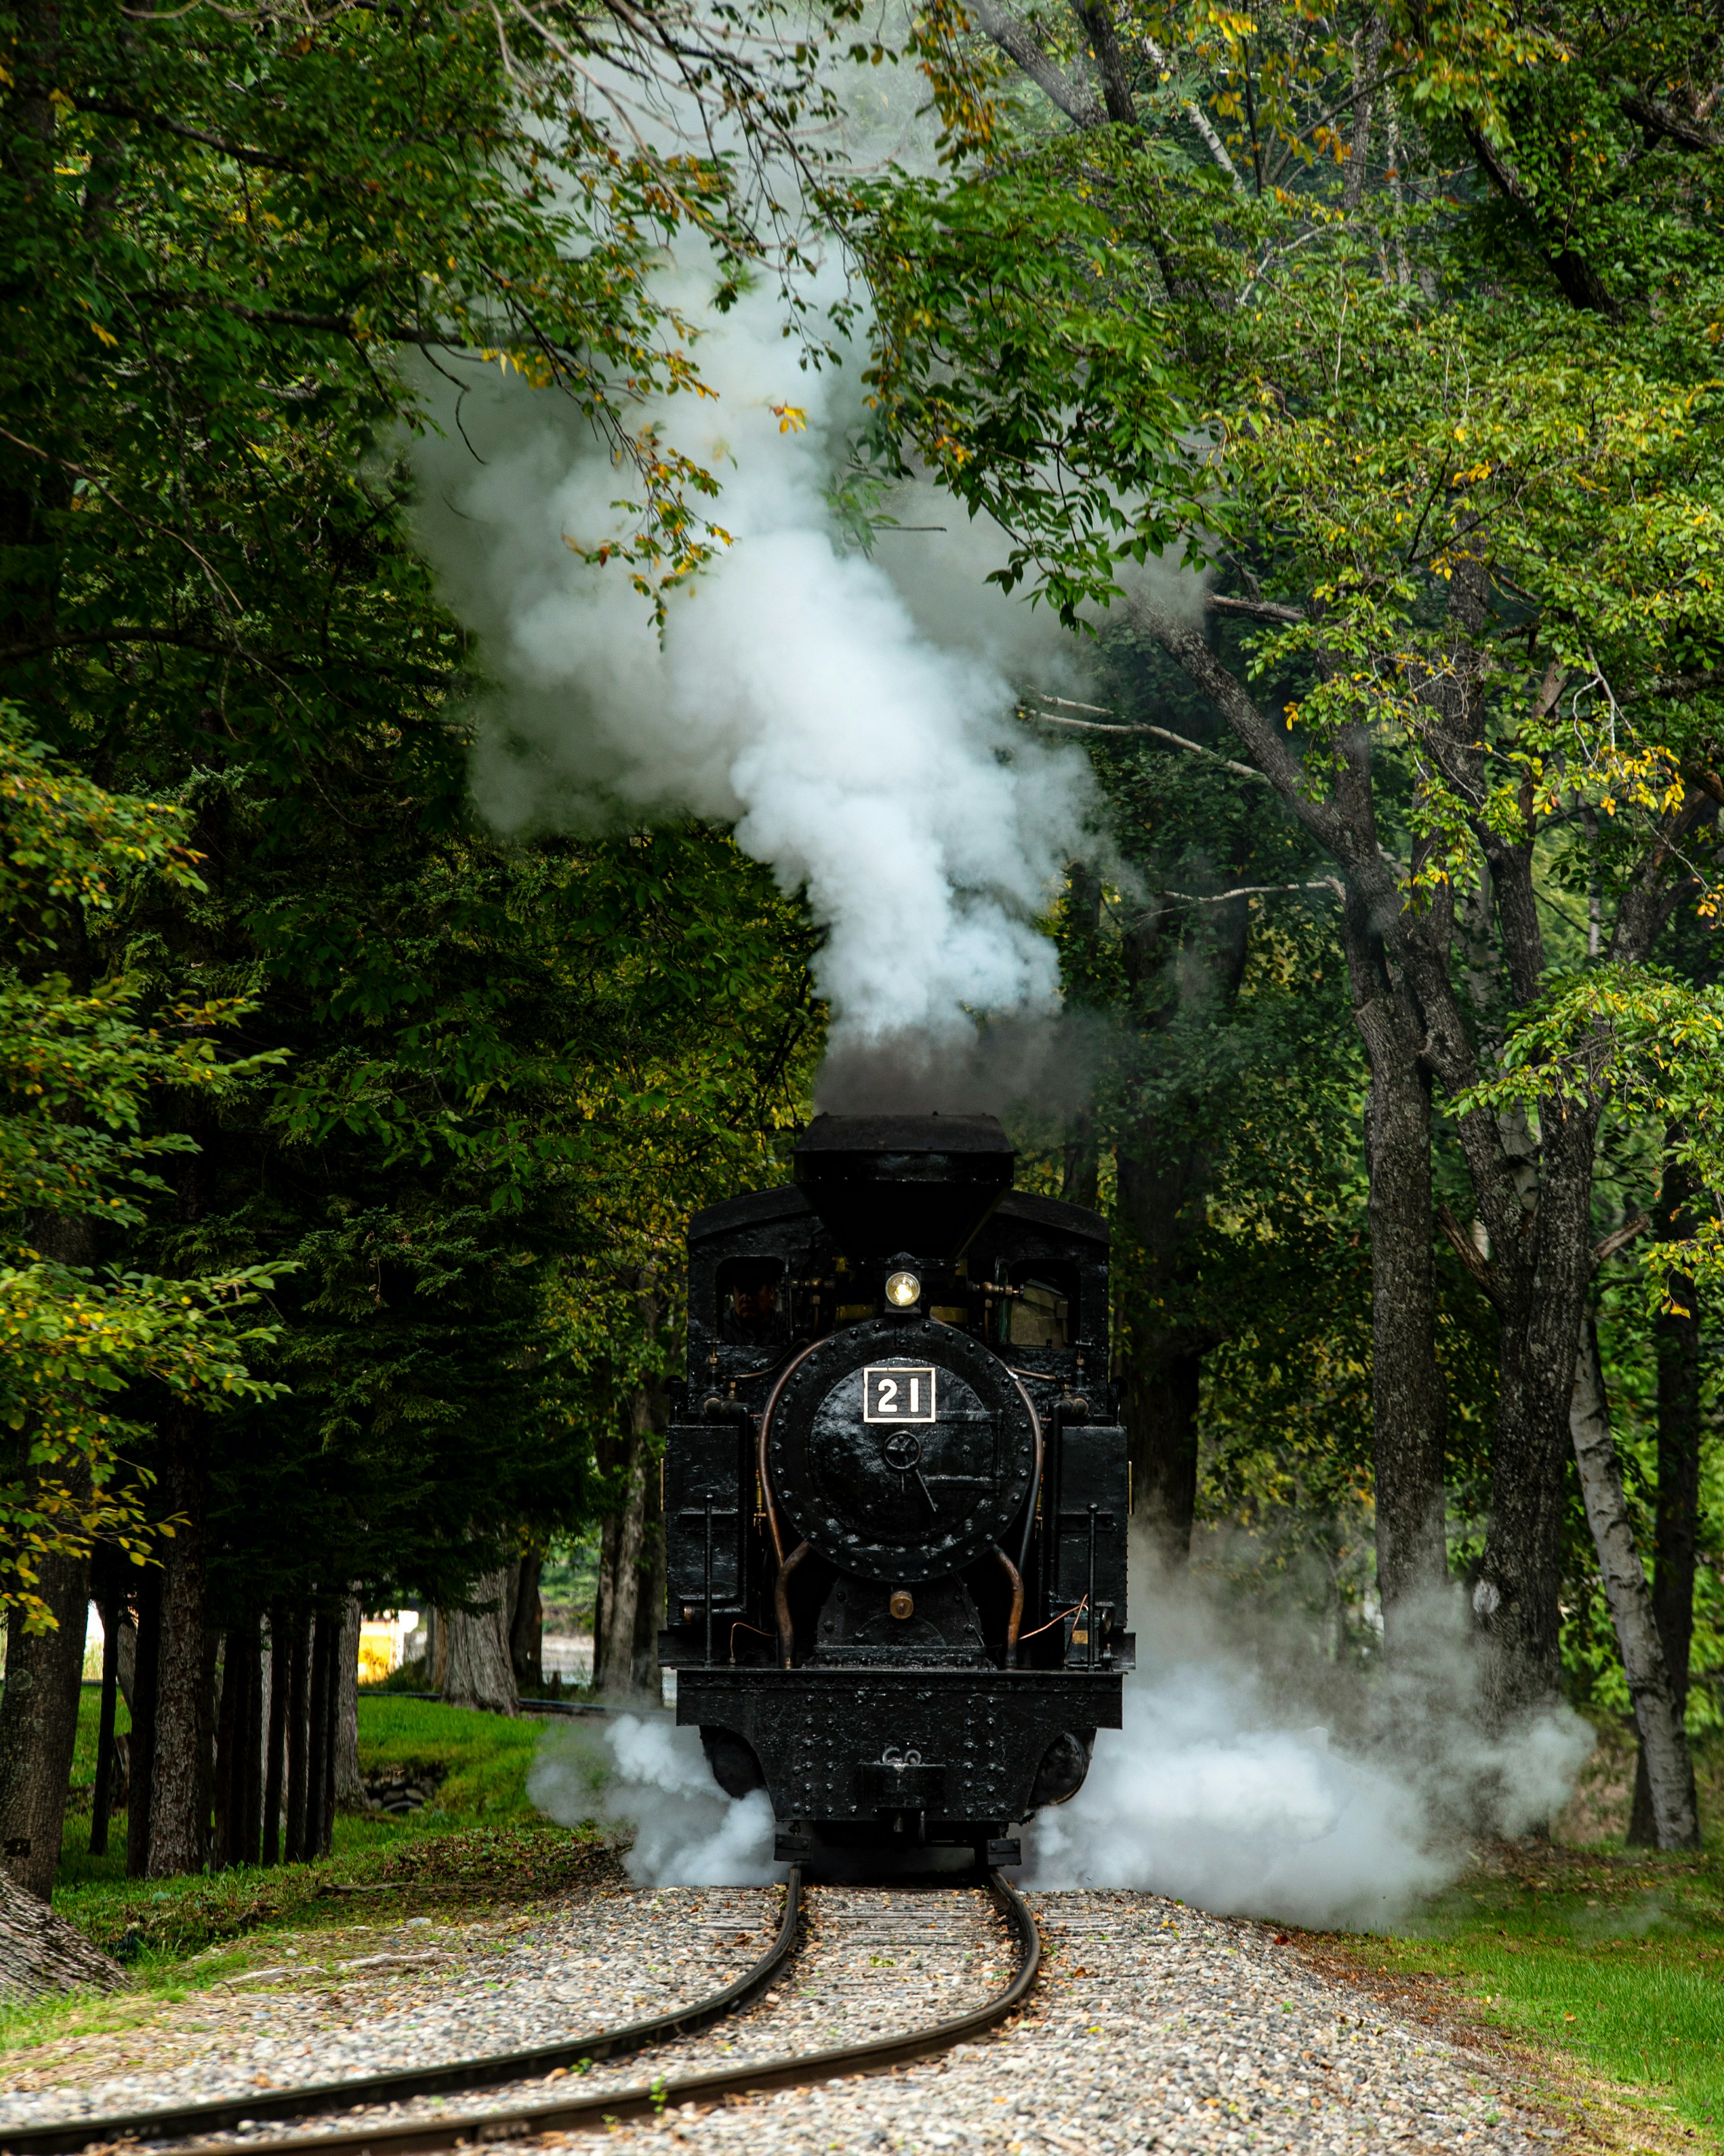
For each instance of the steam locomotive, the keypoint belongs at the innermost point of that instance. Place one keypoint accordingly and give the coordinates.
(895, 1499)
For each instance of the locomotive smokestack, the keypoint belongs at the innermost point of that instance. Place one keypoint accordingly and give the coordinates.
(887, 1183)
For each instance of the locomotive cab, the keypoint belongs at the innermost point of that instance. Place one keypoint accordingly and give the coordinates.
(896, 1497)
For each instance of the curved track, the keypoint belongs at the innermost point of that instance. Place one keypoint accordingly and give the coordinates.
(573, 2111)
(194, 2121)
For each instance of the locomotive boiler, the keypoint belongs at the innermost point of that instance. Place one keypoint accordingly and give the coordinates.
(895, 1498)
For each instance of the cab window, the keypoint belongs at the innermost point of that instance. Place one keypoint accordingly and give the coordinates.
(750, 1302)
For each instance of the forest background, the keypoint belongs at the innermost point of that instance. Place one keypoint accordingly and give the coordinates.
(348, 1145)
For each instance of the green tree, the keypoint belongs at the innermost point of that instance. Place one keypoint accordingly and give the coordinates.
(226, 238)
(1460, 502)
(87, 1342)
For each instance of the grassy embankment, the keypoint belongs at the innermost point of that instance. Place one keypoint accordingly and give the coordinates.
(1603, 1963)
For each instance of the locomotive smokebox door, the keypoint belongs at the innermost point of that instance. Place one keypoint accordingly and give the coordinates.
(901, 1453)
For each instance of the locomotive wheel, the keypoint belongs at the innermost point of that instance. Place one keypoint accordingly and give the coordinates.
(1064, 1765)
(734, 1768)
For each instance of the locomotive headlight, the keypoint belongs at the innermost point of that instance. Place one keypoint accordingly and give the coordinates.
(903, 1290)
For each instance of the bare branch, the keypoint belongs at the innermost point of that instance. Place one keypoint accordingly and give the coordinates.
(1158, 733)
(1331, 884)
(1618, 1238)
(1253, 609)
(1468, 1253)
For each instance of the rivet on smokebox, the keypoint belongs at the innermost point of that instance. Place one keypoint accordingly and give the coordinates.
(903, 1603)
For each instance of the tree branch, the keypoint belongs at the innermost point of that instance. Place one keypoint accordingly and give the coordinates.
(295, 318)
(1200, 120)
(1580, 283)
(1467, 1252)
(1015, 40)
(1160, 733)
(1271, 759)
(1255, 610)
(1664, 119)
(1618, 1238)
(1097, 19)
(1331, 884)
(113, 108)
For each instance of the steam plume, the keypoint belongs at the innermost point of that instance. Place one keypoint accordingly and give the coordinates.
(793, 694)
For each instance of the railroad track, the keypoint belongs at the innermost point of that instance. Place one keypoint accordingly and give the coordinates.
(839, 1944)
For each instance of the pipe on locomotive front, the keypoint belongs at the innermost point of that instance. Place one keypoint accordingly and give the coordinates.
(781, 1603)
(1035, 1479)
(1016, 1618)
(785, 1375)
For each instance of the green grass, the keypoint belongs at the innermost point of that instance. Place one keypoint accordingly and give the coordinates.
(1617, 1961)
(480, 1807)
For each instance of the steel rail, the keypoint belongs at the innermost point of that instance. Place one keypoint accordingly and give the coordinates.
(595, 2113)
(177, 2123)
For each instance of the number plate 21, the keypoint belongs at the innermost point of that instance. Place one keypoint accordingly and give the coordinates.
(898, 1392)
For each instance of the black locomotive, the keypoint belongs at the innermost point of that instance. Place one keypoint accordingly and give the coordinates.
(895, 1502)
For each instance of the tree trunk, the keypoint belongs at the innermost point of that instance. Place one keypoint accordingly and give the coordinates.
(39, 1726)
(317, 1736)
(1409, 1405)
(40, 1952)
(141, 1752)
(1663, 1739)
(1367, 65)
(1081, 1170)
(349, 1782)
(299, 1673)
(648, 1679)
(275, 1759)
(250, 1776)
(126, 1670)
(230, 1736)
(237, 1749)
(179, 1781)
(527, 1629)
(102, 1799)
(337, 1620)
(477, 1672)
(1677, 1520)
(615, 1615)
(1542, 1288)
(1186, 977)
(1162, 1387)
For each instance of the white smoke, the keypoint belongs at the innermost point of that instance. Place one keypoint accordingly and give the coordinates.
(1224, 1789)
(793, 694)
(1202, 1798)
(651, 1778)
(1218, 1791)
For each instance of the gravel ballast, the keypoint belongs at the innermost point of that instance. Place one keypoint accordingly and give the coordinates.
(327, 2006)
(1154, 2027)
